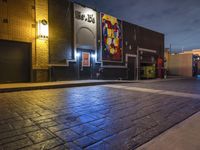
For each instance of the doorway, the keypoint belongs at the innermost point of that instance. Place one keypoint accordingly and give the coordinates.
(132, 68)
(15, 61)
(85, 64)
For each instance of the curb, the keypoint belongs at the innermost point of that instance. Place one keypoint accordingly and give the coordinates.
(69, 85)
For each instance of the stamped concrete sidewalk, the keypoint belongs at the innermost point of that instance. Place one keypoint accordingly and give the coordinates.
(108, 117)
(184, 136)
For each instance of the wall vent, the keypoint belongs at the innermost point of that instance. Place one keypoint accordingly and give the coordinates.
(5, 20)
(33, 7)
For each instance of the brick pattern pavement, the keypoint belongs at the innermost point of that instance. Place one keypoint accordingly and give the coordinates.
(89, 117)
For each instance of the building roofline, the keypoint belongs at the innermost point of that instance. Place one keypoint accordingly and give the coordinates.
(144, 27)
(117, 18)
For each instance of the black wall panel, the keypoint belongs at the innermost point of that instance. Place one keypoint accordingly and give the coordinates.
(129, 38)
(98, 37)
(144, 38)
(64, 73)
(114, 73)
(60, 31)
(150, 40)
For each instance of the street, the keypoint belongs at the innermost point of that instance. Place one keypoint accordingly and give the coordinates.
(111, 117)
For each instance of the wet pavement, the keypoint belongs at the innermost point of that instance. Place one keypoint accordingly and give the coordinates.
(95, 117)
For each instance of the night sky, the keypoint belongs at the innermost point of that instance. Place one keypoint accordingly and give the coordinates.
(179, 20)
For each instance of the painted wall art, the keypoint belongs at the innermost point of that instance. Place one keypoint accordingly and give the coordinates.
(111, 38)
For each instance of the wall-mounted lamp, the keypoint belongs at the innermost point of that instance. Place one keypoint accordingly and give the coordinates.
(43, 29)
(77, 54)
(94, 56)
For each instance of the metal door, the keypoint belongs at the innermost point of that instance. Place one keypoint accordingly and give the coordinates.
(15, 61)
(131, 68)
(85, 65)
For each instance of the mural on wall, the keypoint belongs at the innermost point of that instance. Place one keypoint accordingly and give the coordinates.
(111, 38)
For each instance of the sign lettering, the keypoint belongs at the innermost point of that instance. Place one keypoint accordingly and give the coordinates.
(85, 17)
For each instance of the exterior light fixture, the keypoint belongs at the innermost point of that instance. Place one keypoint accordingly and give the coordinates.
(94, 56)
(77, 54)
(43, 29)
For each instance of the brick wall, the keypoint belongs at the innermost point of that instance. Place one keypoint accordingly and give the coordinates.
(18, 22)
(42, 52)
(42, 46)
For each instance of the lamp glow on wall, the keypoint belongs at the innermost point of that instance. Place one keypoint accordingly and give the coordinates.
(77, 54)
(94, 56)
(43, 29)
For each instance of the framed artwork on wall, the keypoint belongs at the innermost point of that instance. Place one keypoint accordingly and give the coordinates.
(85, 59)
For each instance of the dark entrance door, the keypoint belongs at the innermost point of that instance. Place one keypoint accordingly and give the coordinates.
(14, 62)
(85, 64)
(131, 68)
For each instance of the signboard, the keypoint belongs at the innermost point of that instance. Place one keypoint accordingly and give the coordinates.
(85, 59)
(90, 18)
(85, 28)
(111, 38)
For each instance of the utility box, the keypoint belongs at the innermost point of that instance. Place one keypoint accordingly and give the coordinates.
(148, 72)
